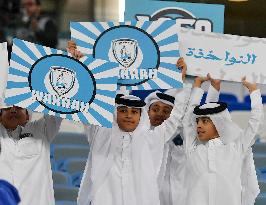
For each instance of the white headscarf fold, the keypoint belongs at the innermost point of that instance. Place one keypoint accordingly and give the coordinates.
(152, 98)
(227, 130)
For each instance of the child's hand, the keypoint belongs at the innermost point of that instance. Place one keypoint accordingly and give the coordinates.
(183, 66)
(72, 48)
(250, 86)
(199, 80)
(71, 45)
(76, 54)
(215, 83)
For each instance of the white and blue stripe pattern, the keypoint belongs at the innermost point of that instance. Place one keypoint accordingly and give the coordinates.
(18, 91)
(87, 34)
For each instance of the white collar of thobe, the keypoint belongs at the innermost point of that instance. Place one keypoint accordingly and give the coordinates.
(214, 142)
(152, 127)
(14, 134)
(127, 134)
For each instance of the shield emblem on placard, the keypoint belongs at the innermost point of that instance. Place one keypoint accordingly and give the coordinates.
(125, 51)
(61, 79)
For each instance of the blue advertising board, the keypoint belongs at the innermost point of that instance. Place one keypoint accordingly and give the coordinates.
(201, 17)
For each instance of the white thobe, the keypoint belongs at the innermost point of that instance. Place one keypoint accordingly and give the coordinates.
(172, 187)
(25, 163)
(213, 175)
(128, 174)
(173, 167)
(118, 188)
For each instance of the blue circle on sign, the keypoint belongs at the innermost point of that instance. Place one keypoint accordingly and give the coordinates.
(128, 35)
(61, 76)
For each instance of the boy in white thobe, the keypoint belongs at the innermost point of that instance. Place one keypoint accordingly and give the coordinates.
(124, 162)
(159, 106)
(25, 156)
(172, 171)
(215, 147)
(25, 153)
(249, 181)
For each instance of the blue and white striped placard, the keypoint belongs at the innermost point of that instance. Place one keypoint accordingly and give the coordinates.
(146, 51)
(50, 81)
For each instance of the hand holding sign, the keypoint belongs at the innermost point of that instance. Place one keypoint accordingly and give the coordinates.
(72, 48)
(199, 80)
(215, 83)
(250, 86)
(183, 66)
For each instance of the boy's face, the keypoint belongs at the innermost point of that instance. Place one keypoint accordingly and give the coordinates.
(13, 116)
(206, 129)
(159, 112)
(128, 118)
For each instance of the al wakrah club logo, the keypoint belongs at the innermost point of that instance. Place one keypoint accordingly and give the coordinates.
(147, 52)
(64, 80)
(50, 81)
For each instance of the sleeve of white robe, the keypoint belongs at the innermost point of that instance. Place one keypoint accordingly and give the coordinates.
(212, 95)
(48, 125)
(158, 137)
(189, 134)
(256, 118)
(172, 126)
(90, 131)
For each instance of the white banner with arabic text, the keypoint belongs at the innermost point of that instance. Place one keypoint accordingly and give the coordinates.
(225, 57)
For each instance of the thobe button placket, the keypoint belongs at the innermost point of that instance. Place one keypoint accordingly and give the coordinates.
(14, 174)
(212, 169)
(125, 157)
(211, 156)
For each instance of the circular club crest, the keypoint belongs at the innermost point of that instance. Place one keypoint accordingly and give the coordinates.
(61, 83)
(133, 48)
(172, 13)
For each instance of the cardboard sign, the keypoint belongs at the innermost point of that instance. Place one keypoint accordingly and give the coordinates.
(201, 17)
(225, 57)
(50, 81)
(147, 52)
(4, 69)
